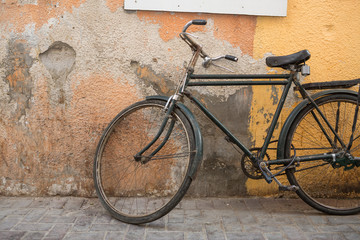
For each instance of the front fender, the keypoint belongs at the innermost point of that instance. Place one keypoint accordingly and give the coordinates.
(197, 133)
(295, 112)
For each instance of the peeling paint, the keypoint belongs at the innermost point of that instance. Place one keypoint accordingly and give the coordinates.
(17, 16)
(114, 5)
(236, 29)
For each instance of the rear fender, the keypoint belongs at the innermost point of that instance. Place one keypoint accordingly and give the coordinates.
(290, 119)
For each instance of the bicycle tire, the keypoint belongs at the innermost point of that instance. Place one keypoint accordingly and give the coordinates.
(135, 192)
(322, 184)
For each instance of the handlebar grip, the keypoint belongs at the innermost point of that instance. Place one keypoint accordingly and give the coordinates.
(231, 58)
(199, 22)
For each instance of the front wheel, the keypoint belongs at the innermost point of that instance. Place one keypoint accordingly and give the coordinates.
(331, 186)
(142, 189)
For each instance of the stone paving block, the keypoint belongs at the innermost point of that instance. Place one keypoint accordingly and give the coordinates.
(192, 214)
(261, 228)
(164, 236)
(59, 230)
(34, 227)
(35, 215)
(222, 203)
(34, 236)
(253, 204)
(135, 232)
(57, 219)
(277, 219)
(318, 219)
(231, 224)
(307, 228)
(57, 203)
(84, 235)
(271, 204)
(6, 202)
(187, 203)
(351, 235)
(246, 217)
(158, 225)
(12, 211)
(11, 235)
(204, 204)
(356, 227)
(52, 238)
(176, 216)
(103, 218)
(237, 204)
(22, 202)
(83, 224)
(114, 235)
(184, 227)
(40, 203)
(214, 232)
(74, 204)
(216, 213)
(326, 236)
(244, 236)
(335, 220)
(292, 232)
(274, 236)
(55, 211)
(336, 228)
(195, 236)
(8, 223)
(121, 227)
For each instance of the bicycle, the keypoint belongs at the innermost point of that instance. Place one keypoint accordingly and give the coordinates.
(149, 154)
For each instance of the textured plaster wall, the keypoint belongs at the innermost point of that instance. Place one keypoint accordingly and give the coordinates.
(68, 67)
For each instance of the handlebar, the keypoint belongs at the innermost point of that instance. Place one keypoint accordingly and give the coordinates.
(197, 47)
(194, 22)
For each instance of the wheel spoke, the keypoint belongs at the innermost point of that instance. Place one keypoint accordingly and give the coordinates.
(329, 187)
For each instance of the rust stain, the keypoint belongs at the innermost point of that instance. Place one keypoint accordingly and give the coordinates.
(238, 30)
(18, 16)
(113, 5)
(147, 74)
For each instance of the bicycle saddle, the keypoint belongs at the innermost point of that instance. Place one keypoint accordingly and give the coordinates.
(286, 61)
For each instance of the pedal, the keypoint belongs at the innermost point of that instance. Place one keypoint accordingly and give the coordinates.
(292, 188)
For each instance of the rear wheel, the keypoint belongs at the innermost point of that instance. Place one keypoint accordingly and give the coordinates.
(139, 190)
(329, 186)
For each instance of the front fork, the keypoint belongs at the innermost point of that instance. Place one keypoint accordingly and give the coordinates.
(169, 107)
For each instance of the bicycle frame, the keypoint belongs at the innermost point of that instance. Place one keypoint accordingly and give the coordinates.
(287, 83)
(285, 80)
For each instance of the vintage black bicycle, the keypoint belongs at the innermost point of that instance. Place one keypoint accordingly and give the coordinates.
(148, 155)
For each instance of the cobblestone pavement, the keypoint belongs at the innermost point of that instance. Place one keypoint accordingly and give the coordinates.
(197, 219)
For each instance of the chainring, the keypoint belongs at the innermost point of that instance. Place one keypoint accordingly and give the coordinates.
(249, 168)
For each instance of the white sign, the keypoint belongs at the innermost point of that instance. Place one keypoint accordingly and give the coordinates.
(246, 7)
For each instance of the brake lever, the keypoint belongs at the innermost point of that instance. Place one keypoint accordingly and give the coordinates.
(208, 61)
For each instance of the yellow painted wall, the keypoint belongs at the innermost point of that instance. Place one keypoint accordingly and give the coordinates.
(329, 30)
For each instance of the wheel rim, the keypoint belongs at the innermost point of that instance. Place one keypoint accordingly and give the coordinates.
(328, 185)
(136, 189)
